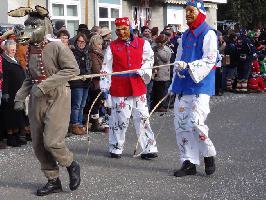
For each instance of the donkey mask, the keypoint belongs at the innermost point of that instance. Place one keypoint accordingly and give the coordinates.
(36, 27)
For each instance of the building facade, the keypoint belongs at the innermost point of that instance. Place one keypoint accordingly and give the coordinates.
(152, 13)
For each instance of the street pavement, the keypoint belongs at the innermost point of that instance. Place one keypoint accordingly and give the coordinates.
(237, 128)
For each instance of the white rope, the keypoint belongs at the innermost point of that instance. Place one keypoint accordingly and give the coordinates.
(84, 77)
(87, 123)
(155, 107)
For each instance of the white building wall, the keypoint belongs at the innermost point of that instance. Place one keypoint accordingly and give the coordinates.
(91, 13)
(212, 17)
(3, 11)
(157, 17)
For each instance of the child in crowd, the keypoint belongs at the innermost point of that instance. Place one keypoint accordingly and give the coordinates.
(256, 81)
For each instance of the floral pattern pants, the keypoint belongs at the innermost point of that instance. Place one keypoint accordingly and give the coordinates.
(122, 108)
(192, 138)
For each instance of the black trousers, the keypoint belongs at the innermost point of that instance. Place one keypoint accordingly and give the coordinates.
(159, 90)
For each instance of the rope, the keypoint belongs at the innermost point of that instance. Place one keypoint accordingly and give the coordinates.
(155, 107)
(84, 77)
(87, 123)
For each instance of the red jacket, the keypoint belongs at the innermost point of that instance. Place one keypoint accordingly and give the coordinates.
(127, 57)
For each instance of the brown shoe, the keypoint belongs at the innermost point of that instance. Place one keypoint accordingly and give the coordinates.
(75, 129)
(83, 129)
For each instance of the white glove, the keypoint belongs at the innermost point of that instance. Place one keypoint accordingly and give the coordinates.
(104, 83)
(145, 76)
(180, 65)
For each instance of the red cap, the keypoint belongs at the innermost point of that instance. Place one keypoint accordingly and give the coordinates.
(122, 21)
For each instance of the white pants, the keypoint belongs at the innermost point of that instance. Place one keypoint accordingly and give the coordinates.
(122, 107)
(192, 138)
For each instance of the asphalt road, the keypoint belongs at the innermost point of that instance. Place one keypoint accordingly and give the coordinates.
(237, 127)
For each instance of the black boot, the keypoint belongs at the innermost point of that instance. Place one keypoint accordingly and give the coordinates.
(95, 126)
(114, 155)
(53, 186)
(209, 165)
(12, 140)
(148, 156)
(187, 168)
(74, 175)
(21, 138)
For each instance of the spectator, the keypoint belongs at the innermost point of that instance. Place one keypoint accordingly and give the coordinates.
(79, 88)
(58, 26)
(154, 33)
(146, 34)
(64, 36)
(96, 56)
(2, 144)
(13, 77)
(136, 32)
(256, 81)
(162, 55)
(246, 50)
(106, 36)
(96, 29)
(83, 28)
(230, 63)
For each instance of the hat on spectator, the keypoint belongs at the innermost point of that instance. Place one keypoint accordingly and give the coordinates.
(59, 24)
(7, 34)
(82, 27)
(105, 31)
(162, 38)
(124, 21)
(166, 33)
(197, 4)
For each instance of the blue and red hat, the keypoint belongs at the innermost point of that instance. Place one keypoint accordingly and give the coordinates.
(197, 4)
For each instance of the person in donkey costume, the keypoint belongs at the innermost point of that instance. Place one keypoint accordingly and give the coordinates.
(193, 83)
(128, 91)
(50, 66)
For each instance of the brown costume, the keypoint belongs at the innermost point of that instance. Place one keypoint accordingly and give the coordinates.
(49, 114)
(50, 66)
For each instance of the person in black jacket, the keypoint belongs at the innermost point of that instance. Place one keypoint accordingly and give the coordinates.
(79, 88)
(230, 63)
(13, 77)
(246, 52)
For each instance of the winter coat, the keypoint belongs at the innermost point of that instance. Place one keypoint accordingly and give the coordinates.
(162, 56)
(13, 77)
(83, 60)
(231, 50)
(96, 58)
(1, 73)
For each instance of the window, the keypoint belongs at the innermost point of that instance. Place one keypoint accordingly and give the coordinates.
(67, 10)
(107, 11)
(72, 10)
(103, 12)
(114, 12)
(58, 9)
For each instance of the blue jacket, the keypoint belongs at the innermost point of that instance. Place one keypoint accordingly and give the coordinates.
(192, 44)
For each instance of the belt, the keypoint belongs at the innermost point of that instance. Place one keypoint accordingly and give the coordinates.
(126, 75)
(38, 79)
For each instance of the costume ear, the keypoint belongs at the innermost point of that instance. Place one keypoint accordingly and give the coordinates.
(42, 11)
(20, 12)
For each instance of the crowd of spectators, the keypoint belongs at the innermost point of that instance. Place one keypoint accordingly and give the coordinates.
(240, 68)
